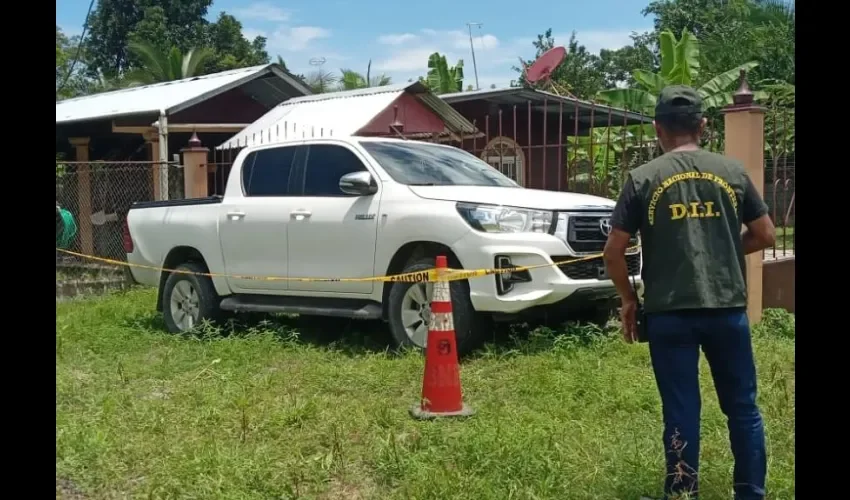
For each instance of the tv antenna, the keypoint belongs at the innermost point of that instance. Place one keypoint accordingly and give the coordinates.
(539, 73)
(472, 48)
(317, 61)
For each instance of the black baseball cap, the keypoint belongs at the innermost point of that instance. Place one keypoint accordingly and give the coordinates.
(678, 100)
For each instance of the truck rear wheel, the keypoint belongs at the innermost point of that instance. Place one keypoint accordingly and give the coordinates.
(409, 307)
(189, 299)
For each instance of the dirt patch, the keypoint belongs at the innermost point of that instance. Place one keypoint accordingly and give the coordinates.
(343, 490)
(67, 490)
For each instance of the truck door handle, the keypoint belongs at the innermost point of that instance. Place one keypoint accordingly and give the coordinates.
(300, 214)
(235, 215)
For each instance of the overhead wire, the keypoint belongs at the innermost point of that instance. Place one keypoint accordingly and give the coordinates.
(79, 50)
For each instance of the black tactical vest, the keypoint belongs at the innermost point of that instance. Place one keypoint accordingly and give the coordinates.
(691, 231)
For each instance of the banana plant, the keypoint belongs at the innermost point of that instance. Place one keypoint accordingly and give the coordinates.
(602, 157)
(442, 78)
(679, 66)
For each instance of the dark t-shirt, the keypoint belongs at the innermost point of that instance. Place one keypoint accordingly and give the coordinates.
(689, 207)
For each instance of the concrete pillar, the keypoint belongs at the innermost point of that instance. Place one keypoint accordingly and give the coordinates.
(745, 142)
(81, 144)
(152, 141)
(195, 168)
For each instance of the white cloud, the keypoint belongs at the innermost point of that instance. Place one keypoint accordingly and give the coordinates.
(399, 39)
(596, 40)
(250, 34)
(408, 57)
(297, 38)
(409, 60)
(460, 40)
(262, 11)
(412, 52)
(288, 39)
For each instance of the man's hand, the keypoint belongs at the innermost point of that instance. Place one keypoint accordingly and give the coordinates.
(615, 261)
(628, 316)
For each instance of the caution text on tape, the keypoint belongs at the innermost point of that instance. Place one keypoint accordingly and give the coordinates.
(424, 276)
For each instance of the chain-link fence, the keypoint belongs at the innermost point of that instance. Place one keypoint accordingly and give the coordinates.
(99, 194)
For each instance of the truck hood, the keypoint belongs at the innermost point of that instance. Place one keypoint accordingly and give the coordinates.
(514, 196)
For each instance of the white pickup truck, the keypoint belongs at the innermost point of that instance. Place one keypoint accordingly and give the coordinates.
(359, 207)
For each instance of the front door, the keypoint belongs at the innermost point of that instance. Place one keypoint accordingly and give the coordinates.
(253, 224)
(332, 234)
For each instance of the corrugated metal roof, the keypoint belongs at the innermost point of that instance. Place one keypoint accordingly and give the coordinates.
(339, 114)
(170, 96)
(521, 96)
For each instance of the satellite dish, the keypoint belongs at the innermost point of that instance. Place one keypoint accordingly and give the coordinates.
(539, 73)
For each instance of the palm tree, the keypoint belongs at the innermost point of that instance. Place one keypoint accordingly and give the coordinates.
(102, 83)
(774, 11)
(679, 66)
(321, 81)
(158, 66)
(281, 62)
(442, 78)
(351, 79)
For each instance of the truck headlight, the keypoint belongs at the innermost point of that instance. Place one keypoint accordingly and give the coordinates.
(502, 219)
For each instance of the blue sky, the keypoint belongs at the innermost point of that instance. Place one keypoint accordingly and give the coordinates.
(399, 36)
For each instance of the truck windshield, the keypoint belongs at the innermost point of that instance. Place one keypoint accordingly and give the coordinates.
(419, 164)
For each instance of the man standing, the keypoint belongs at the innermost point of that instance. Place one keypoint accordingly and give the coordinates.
(689, 205)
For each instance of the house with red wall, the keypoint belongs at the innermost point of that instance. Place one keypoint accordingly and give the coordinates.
(524, 131)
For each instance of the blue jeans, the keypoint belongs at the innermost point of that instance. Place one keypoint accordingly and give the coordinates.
(675, 339)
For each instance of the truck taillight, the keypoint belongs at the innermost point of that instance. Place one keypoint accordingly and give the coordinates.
(128, 240)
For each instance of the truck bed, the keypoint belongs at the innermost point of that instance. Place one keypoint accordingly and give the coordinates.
(209, 200)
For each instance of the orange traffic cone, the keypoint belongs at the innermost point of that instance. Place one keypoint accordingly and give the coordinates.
(441, 392)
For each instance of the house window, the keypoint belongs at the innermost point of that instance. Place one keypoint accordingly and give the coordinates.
(506, 156)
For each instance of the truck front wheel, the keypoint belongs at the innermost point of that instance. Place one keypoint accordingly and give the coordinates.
(409, 307)
(189, 299)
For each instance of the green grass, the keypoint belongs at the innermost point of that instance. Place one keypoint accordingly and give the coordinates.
(784, 238)
(281, 411)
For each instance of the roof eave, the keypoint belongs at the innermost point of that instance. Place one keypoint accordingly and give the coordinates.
(216, 91)
(454, 121)
(539, 95)
(111, 116)
(290, 79)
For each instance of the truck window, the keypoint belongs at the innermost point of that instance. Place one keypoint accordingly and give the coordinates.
(266, 172)
(326, 164)
(417, 163)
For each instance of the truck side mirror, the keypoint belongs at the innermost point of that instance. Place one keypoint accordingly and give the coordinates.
(358, 183)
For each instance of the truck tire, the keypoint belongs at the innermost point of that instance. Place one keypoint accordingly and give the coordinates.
(189, 299)
(402, 302)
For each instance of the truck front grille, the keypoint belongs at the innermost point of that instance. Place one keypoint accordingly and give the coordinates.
(584, 233)
(590, 269)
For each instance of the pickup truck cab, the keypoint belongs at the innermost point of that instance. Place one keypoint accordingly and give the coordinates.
(358, 207)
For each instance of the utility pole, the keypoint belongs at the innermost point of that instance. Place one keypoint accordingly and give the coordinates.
(472, 48)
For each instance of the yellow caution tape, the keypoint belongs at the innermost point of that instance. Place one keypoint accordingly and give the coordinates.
(424, 276)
